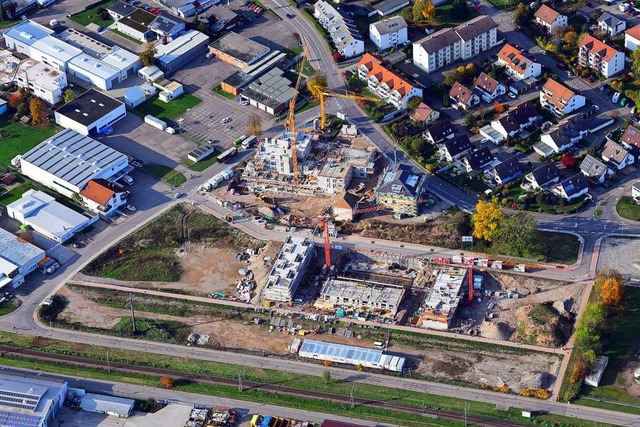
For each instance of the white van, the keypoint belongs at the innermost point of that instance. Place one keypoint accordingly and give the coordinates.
(378, 344)
(615, 97)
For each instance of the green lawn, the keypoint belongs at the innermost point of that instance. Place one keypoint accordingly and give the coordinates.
(167, 110)
(8, 23)
(16, 192)
(165, 173)
(126, 36)
(18, 139)
(628, 209)
(202, 164)
(9, 306)
(89, 16)
(218, 89)
(619, 342)
(503, 4)
(562, 248)
(444, 18)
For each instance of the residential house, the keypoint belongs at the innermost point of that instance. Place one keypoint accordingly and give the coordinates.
(400, 189)
(631, 137)
(599, 57)
(103, 197)
(572, 188)
(344, 209)
(611, 25)
(136, 25)
(478, 160)
(517, 65)
(425, 114)
(389, 86)
(632, 38)
(616, 155)
(343, 31)
(463, 97)
(564, 135)
(543, 177)
(513, 122)
(489, 87)
(388, 33)
(167, 27)
(439, 132)
(120, 9)
(594, 169)
(559, 99)
(454, 149)
(506, 171)
(551, 20)
(460, 43)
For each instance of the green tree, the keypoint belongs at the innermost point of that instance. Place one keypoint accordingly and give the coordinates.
(459, 9)
(518, 235)
(316, 84)
(520, 14)
(418, 145)
(486, 220)
(326, 376)
(413, 103)
(418, 11)
(147, 56)
(68, 96)
(635, 63)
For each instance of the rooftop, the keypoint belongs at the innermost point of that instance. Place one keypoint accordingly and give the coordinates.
(43, 75)
(546, 14)
(401, 180)
(28, 32)
(460, 93)
(347, 291)
(85, 43)
(41, 210)
(165, 23)
(390, 25)
(100, 191)
(121, 8)
(443, 299)
(27, 399)
(596, 47)
(545, 174)
(16, 250)
(287, 264)
(239, 47)
(556, 94)
(634, 32)
(180, 45)
(387, 6)
(384, 76)
(56, 48)
(139, 20)
(89, 107)
(514, 59)
(272, 89)
(73, 157)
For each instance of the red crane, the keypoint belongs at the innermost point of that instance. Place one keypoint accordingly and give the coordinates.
(324, 223)
(470, 291)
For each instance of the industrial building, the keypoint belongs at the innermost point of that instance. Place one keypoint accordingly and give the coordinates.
(271, 92)
(43, 81)
(352, 355)
(288, 269)
(73, 52)
(17, 259)
(67, 161)
(174, 55)
(43, 214)
(343, 292)
(442, 299)
(91, 113)
(400, 189)
(237, 50)
(167, 26)
(236, 82)
(108, 405)
(30, 400)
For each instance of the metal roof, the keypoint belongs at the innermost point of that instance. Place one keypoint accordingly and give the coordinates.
(347, 352)
(107, 404)
(73, 157)
(92, 105)
(18, 252)
(28, 32)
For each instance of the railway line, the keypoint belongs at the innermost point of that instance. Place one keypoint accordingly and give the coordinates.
(428, 413)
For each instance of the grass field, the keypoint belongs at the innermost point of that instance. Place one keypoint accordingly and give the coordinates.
(8, 23)
(91, 15)
(217, 89)
(18, 139)
(166, 174)
(197, 369)
(562, 248)
(10, 306)
(202, 164)
(444, 18)
(126, 36)
(628, 209)
(167, 110)
(620, 341)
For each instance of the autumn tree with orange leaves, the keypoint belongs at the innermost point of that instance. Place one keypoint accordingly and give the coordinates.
(610, 288)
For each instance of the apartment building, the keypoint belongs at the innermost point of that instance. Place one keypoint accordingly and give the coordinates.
(454, 44)
(400, 189)
(559, 99)
(599, 57)
(386, 84)
(517, 65)
(288, 270)
(389, 32)
(342, 30)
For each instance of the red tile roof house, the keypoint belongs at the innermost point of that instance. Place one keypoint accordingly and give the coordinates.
(384, 83)
(463, 97)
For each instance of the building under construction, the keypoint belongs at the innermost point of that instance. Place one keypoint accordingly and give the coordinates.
(344, 292)
(288, 269)
(442, 300)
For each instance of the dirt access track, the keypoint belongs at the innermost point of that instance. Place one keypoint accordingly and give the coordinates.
(458, 360)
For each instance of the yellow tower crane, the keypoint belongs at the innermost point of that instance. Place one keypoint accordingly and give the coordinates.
(290, 123)
(324, 92)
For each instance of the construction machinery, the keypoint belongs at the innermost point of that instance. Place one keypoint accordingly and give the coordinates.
(325, 92)
(290, 123)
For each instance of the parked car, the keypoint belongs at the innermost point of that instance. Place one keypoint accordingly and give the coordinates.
(569, 73)
(225, 120)
(512, 95)
(179, 195)
(131, 208)
(544, 52)
(290, 15)
(209, 55)
(615, 97)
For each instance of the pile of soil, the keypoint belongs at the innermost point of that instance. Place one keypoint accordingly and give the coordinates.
(542, 324)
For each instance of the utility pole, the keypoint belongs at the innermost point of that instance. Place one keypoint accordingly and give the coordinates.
(240, 374)
(108, 363)
(352, 395)
(466, 409)
(133, 312)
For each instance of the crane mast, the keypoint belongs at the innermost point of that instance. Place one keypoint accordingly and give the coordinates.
(290, 124)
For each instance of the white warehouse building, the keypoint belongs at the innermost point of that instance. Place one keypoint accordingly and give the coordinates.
(91, 113)
(22, 255)
(352, 355)
(67, 161)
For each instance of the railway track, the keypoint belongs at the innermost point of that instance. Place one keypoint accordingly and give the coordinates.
(470, 419)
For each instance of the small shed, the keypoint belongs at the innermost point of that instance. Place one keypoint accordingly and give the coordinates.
(110, 405)
(134, 96)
